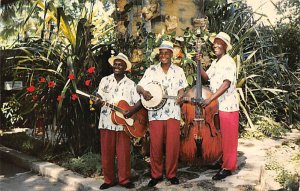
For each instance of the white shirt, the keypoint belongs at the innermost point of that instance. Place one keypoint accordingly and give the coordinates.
(112, 92)
(172, 81)
(224, 69)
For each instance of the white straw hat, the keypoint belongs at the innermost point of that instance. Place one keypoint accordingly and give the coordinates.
(224, 37)
(123, 57)
(166, 45)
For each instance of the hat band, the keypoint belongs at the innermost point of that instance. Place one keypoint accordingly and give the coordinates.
(224, 39)
(122, 57)
(165, 46)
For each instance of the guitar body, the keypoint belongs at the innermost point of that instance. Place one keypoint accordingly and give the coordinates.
(135, 126)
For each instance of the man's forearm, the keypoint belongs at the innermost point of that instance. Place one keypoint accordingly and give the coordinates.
(139, 89)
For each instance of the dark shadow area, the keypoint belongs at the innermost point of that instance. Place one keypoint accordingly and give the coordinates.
(8, 169)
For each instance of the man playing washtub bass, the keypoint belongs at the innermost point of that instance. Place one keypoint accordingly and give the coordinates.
(164, 125)
(222, 77)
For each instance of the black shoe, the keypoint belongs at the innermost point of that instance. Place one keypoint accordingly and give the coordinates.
(174, 180)
(128, 185)
(222, 174)
(105, 186)
(154, 181)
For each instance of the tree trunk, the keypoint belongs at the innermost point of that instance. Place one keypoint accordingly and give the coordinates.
(162, 16)
(176, 15)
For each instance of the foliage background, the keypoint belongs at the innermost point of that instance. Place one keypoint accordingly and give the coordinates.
(59, 47)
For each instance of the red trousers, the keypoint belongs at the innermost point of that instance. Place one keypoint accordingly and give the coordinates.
(229, 124)
(115, 143)
(168, 132)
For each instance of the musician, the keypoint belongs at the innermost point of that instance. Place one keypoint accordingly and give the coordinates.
(222, 77)
(113, 139)
(164, 123)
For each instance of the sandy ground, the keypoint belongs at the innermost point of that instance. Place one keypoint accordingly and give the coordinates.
(262, 164)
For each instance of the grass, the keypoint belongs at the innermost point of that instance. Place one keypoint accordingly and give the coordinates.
(88, 164)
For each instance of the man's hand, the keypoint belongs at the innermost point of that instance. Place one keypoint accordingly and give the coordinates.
(97, 100)
(128, 114)
(147, 95)
(206, 102)
(180, 100)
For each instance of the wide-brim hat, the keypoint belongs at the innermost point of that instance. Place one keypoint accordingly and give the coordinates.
(123, 57)
(224, 37)
(166, 45)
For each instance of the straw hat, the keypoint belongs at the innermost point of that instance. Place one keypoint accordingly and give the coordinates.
(166, 45)
(224, 37)
(120, 56)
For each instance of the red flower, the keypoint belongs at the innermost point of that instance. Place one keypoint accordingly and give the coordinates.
(59, 98)
(91, 70)
(30, 88)
(180, 55)
(51, 84)
(74, 96)
(71, 76)
(34, 97)
(87, 82)
(42, 80)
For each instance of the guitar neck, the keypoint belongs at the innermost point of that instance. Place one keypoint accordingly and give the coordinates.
(169, 97)
(113, 107)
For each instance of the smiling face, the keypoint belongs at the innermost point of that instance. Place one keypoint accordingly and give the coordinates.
(219, 47)
(165, 56)
(119, 66)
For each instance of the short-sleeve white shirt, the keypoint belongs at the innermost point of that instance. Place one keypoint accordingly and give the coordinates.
(224, 69)
(172, 81)
(112, 92)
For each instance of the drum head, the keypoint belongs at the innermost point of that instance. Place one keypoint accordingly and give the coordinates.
(157, 93)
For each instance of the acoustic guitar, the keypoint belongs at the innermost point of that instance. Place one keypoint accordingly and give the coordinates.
(136, 126)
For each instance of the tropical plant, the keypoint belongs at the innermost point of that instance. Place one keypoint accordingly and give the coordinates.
(72, 43)
(11, 111)
(268, 87)
(60, 62)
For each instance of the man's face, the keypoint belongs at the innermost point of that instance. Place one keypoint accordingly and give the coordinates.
(119, 66)
(219, 47)
(165, 56)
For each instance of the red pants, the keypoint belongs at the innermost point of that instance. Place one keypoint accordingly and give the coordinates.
(168, 132)
(229, 124)
(115, 143)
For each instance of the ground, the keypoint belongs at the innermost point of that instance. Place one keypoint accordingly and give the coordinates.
(262, 165)
(266, 164)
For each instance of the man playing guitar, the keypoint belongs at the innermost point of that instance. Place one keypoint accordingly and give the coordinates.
(113, 138)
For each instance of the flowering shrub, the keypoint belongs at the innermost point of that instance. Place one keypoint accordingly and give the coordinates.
(54, 71)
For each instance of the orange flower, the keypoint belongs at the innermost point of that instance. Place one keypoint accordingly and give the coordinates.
(30, 89)
(91, 70)
(180, 55)
(87, 82)
(71, 76)
(42, 80)
(74, 96)
(59, 98)
(51, 84)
